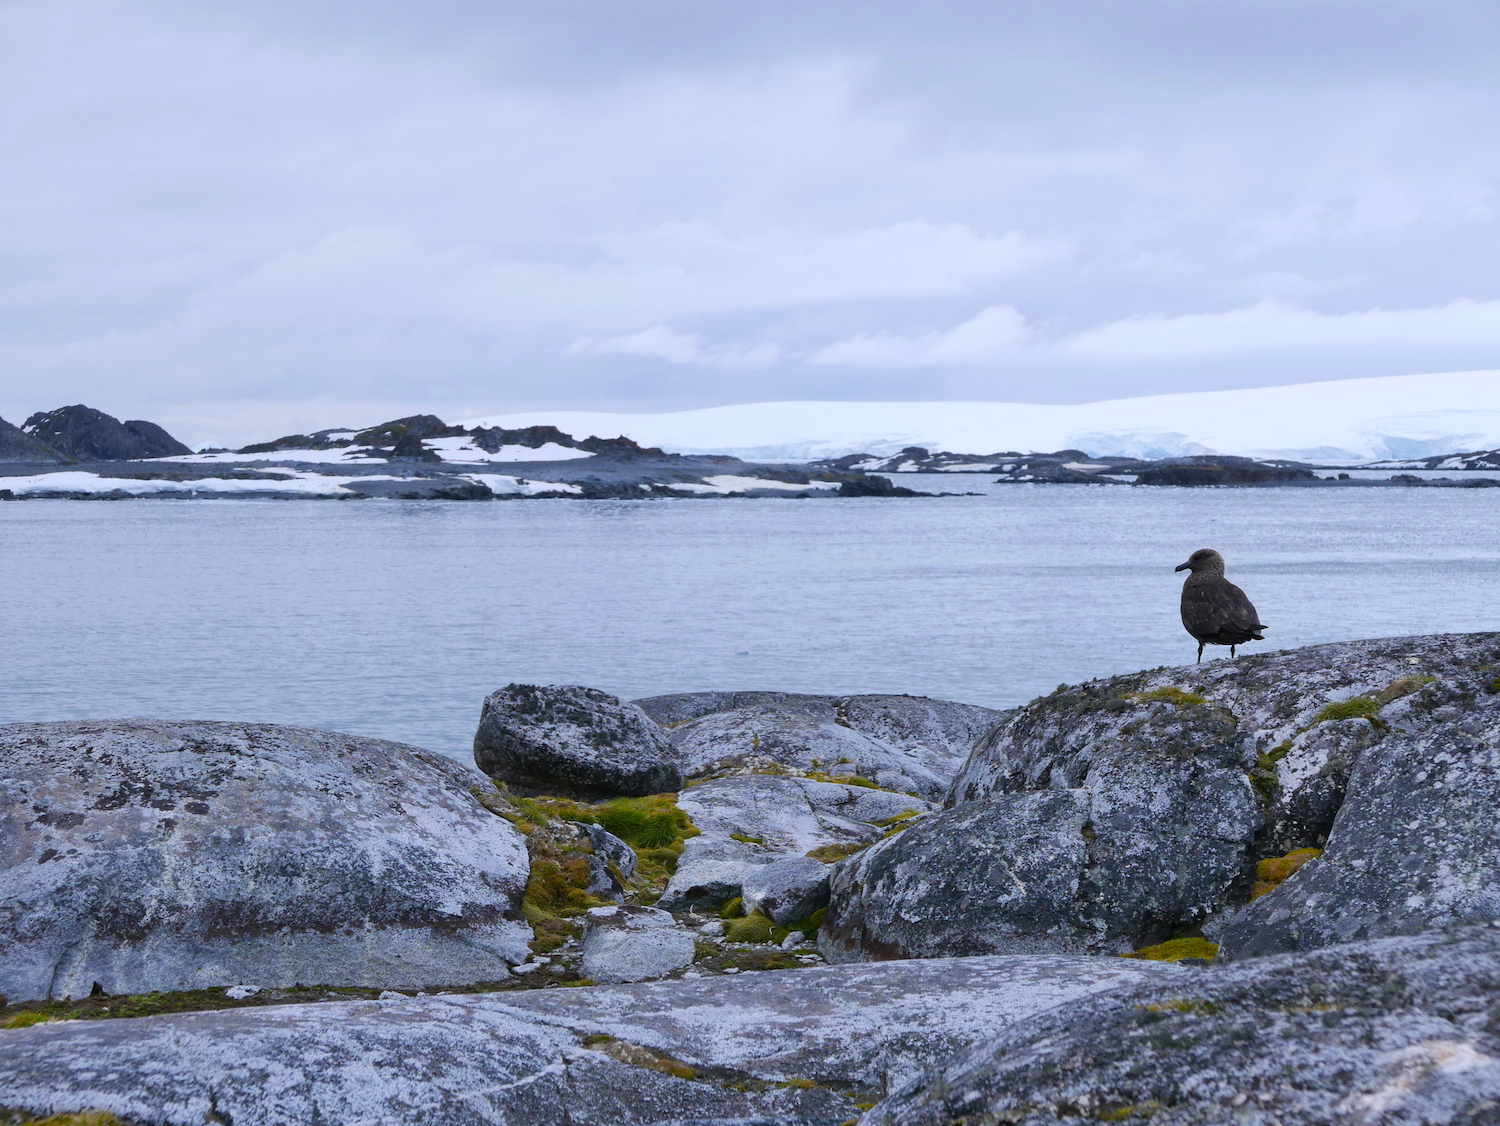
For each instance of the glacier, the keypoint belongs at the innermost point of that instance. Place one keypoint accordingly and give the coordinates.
(1333, 421)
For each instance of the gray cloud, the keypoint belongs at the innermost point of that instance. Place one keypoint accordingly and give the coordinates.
(248, 217)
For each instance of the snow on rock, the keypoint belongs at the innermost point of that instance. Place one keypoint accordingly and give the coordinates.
(1349, 420)
(724, 483)
(148, 855)
(74, 482)
(650, 1053)
(502, 485)
(466, 450)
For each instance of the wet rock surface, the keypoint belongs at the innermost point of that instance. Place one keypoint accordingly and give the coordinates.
(716, 1050)
(575, 741)
(1398, 1030)
(145, 855)
(1416, 845)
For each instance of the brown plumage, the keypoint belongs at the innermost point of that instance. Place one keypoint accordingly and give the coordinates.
(1214, 610)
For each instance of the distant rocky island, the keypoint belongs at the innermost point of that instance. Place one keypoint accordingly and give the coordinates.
(1249, 891)
(79, 453)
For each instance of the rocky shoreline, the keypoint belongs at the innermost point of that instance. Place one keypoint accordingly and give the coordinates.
(1256, 890)
(77, 453)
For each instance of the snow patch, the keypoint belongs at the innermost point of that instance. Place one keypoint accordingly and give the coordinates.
(502, 485)
(1339, 420)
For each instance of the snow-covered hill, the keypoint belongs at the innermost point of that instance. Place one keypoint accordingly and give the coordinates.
(1403, 416)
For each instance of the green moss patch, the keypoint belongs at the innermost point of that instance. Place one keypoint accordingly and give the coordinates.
(754, 927)
(9, 1117)
(1169, 694)
(654, 827)
(1175, 949)
(1273, 871)
(1357, 707)
(832, 853)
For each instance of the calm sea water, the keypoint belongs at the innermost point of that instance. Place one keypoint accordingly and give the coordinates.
(394, 619)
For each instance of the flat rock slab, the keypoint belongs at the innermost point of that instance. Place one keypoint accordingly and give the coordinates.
(147, 855)
(1396, 1030)
(520, 1060)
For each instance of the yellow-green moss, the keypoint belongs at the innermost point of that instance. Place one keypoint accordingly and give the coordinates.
(1357, 707)
(744, 839)
(1402, 686)
(808, 926)
(904, 815)
(754, 927)
(831, 853)
(25, 1020)
(1175, 949)
(1271, 872)
(733, 909)
(81, 1118)
(1171, 695)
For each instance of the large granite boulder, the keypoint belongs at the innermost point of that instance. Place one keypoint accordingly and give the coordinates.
(786, 890)
(1416, 845)
(795, 1047)
(1183, 779)
(144, 855)
(91, 435)
(1397, 1030)
(1099, 837)
(575, 741)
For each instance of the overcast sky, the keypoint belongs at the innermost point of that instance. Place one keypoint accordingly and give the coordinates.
(242, 217)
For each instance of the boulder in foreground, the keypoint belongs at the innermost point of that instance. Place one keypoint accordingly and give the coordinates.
(1396, 1030)
(144, 855)
(574, 741)
(788, 1046)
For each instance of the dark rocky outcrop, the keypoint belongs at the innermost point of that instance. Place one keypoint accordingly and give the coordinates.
(145, 855)
(1224, 471)
(416, 426)
(798, 1048)
(571, 740)
(874, 485)
(18, 446)
(1416, 844)
(85, 434)
(1399, 1030)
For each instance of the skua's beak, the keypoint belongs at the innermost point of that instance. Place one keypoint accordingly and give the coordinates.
(1183, 567)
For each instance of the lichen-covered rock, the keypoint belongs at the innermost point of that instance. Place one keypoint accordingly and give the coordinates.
(1416, 845)
(1098, 843)
(1270, 700)
(747, 820)
(933, 737)
(611, 862)
(799, 1046)
(710, 872)
(786, 890)
(633, 944)
(1397, 1030)
(1199, 772)
(993, 877)
(575, 741)
(757, 737)
(146, 855)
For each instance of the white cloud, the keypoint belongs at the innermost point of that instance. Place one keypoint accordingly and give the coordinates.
(1000, 335)
(662, 343)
